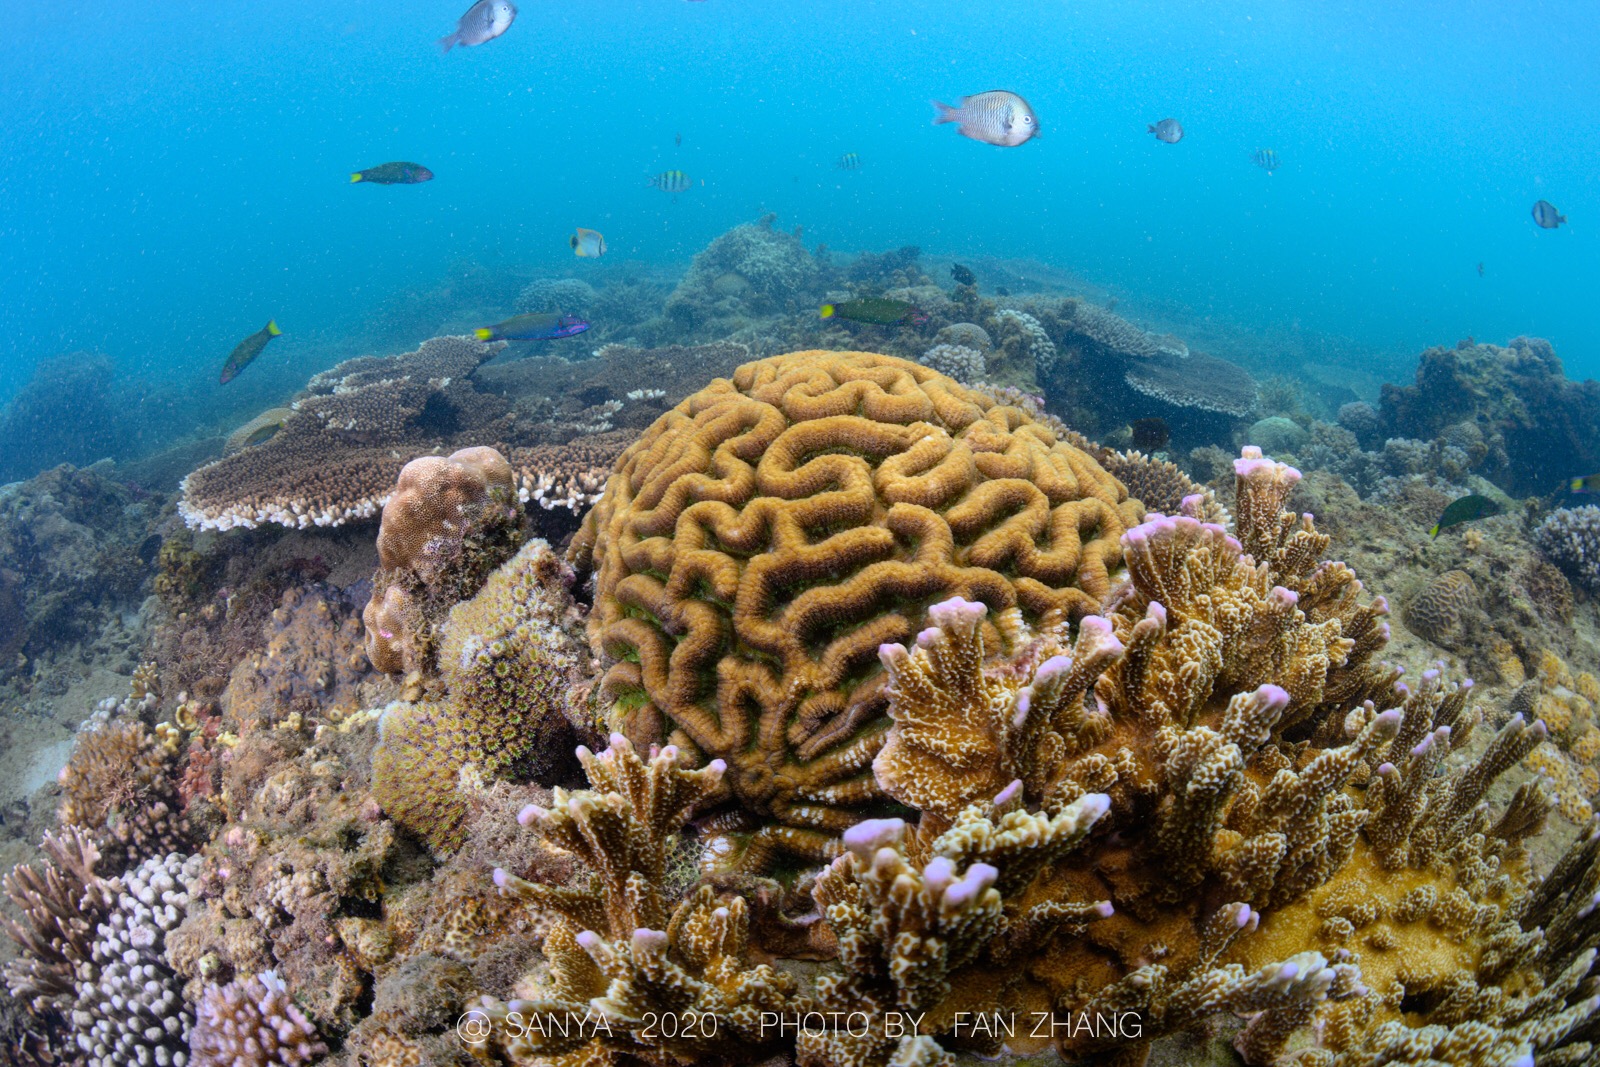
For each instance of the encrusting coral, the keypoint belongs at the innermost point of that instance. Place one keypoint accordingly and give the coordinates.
(509, 673)
(765, 536)
(450, 521)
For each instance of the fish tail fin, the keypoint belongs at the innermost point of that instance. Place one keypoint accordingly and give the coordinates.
(448, 42)
(827, 311)
(483, 334)
(357, 177)
(272, 328)
(1150, 129)
(1561, 218)
(1435, 531)
(942, 113)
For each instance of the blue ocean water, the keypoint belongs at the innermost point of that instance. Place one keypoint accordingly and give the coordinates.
(174, 174)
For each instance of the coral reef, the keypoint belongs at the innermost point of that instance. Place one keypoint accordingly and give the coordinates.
(314, 662)
(1570, 538)
(449, 522)
(1116, 334)
(1565, 701)
(119, 785)
(1513, 406)
(766, 535)
(73, 552)
(252, 1024)
(508, 672)
(755, 269)
(1033, 338)
(336, 456)
(66, 413)
(571, 296)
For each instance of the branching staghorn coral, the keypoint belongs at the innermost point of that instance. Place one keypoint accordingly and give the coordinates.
(62, 902)
(1273, 844)
(622, 959)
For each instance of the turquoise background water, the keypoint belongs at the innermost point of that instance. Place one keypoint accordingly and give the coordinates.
(174, 174)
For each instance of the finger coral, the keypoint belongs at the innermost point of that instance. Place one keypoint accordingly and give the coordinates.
(508, 670)
(449, 522)
(119, 785)
(665, 985)
(252, 1023)
(764, 537)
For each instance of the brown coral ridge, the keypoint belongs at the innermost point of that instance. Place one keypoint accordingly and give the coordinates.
(450, 521)
(765, 536)
(1270, 844)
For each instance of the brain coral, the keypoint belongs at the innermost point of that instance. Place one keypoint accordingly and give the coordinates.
(764, 537)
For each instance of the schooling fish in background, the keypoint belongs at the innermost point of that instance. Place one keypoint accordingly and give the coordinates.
(1266, 159)
(677, 140)
(541, 326)
(849, 161)
(588, 244)
(996, 117)
(879, 311)
(484, 21)
(1466, 509)
(247, 350)
(394, 174)
(1169, 131)
(672, 181)
(1480, 268)
(1546, 215)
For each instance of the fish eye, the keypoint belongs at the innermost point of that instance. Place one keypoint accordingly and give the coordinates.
(1028, 119)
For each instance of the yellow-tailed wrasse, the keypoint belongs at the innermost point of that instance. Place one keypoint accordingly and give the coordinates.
(1266, 159)
(246, 351)
(1589, 483)
(588, 244)
(849, 161)
(672, 181)
(1465, 509)
(879, 311)
(394, 174)
(541, 326)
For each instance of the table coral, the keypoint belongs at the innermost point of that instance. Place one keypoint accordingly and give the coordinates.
(1197, 381)
(449, 522)
(508, 672)
(760, 542)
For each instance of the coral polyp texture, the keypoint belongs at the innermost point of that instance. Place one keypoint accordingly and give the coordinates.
(449, 522)
(765, 536)
(508, 672)
(252, 1023)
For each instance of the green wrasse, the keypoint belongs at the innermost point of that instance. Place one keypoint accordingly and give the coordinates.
(394, 174)
(247, 350)
(1589, 483)
(879, 310)
(1466, 509)
(540, 326)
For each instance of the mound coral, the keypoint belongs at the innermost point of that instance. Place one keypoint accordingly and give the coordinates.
(964, 364)
(1445, 608)
(754, 268)
(1019, 329)
(508, 671)
(449, 522)
(766, 535)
